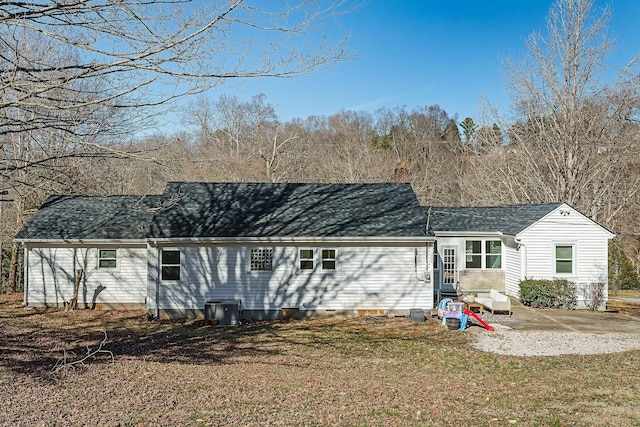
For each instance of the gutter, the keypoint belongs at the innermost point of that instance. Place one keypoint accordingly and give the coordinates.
(245, 240)
(87, 242)
(468, 233)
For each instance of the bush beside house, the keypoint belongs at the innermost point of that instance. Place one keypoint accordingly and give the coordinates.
(557, 293)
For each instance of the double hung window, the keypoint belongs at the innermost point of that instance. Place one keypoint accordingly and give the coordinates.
(306, 259)
(564, 256)
(483, 254)
(107, 258)
(473, 253)
(493, 254)
(170, 264)
(327, 259)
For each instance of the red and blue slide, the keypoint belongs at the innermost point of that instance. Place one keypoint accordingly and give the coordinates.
(482, 322)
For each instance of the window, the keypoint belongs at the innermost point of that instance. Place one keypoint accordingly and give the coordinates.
(306, 259)
(487, 255)
(564, 259)
(328, 259)
(473, 251)
(107, 258)
(170, 264)
(261, 259)
(493, 251)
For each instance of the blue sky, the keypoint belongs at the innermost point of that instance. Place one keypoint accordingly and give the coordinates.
(418, 53)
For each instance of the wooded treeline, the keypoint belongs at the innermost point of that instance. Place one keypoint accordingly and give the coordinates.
(68, 106)
(234, 140)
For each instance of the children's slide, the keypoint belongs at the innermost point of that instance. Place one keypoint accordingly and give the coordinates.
(482, 322)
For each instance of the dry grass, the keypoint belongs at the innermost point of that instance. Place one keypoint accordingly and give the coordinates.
(356, 371)
(625, 307)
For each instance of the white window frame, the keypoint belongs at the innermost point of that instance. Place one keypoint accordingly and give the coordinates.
(483, 254)
(306, 259)
(101, 258)
(329, 259)
(574, 258)
(486, 254)
(266, 254)
(162, 264)
(449, 274)
(472, 255)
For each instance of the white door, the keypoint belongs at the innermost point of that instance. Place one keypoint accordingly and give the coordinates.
(449, 268)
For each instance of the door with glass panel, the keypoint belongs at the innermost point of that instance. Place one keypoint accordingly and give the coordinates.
(449, 269)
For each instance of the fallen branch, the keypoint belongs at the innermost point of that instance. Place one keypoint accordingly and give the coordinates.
(66, 362)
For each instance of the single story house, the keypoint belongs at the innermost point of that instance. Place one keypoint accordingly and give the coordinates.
(315, 248)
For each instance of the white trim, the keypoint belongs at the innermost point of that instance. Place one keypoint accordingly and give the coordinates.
(244, 240)
(307, 239)
(574, 258)
(92, 243)
(465, 234)
(571, 210)
(483, 254)
(250, 250)
(116, 259)
(456, 268)
(299, 260)
(161, 264)
(334, 259)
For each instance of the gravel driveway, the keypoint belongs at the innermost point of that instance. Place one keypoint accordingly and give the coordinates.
(539, 332)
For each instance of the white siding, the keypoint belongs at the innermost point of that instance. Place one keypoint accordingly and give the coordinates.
(589, 240)
(473, 280)
(512, 265)
(51, 275)
(366, 277)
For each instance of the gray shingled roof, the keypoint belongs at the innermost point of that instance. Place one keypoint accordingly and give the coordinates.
(509, 220)
(289, 210)
(91, 217)
(193, 210)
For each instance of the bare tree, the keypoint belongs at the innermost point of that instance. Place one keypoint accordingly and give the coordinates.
(424, 141)
(135, 47)
(346, 152)
(79, 77)
(242, 140)
(576, 139)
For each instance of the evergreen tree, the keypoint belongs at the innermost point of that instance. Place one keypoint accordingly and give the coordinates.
(622, 274)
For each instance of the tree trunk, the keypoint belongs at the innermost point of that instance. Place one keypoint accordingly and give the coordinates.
(13, 268)
(74, 301)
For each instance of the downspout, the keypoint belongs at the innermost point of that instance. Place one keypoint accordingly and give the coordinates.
(25, 278)
(429, 262)
(154, 259)
(426, 278)
(157, 279)
(523, 258)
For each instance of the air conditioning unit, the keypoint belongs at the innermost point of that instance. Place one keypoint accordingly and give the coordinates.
(227, 313)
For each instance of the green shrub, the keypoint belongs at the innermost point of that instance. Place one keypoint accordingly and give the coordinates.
(557, 293)
(622, 273)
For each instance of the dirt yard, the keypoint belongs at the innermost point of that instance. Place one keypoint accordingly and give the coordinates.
(356, 371)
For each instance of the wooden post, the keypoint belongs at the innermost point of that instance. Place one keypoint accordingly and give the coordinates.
(74, 301)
